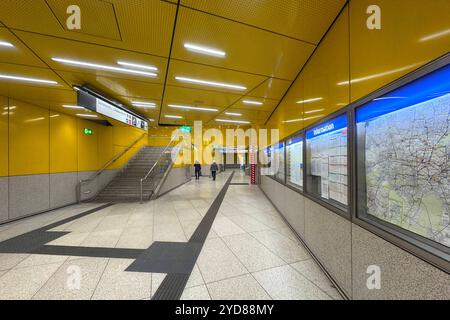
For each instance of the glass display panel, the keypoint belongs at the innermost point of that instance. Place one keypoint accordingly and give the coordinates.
(326, 149)
(279, 157)
(294, 162)
(403, 153)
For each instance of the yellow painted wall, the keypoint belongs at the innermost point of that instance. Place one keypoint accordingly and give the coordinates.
(39, 141)
(353, 61)
(3, 137)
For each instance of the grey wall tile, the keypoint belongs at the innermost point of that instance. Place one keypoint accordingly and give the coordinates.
(90, 189)
(63, 189)
(175, 178)
(3, 199)
(328, 235)
(403, 276)
(28, 195)
(295, 211)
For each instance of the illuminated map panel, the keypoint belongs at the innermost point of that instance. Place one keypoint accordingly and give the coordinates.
(327, 157)
(294, 161)
(404, 155)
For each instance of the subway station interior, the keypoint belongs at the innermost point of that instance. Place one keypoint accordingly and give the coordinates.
(224, 150)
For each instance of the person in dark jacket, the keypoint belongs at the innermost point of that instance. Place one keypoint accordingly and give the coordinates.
(214, 169)
(198, 170)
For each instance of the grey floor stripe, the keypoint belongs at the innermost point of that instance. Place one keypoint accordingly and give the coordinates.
(239, 184)
(173, 284)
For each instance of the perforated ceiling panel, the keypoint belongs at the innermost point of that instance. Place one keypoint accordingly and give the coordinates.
(256, 49)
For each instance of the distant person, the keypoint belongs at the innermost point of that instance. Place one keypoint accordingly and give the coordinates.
(198, 170)
(214, 169)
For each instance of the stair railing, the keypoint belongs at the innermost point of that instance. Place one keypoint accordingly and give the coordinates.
(107, 165)
(153, 169)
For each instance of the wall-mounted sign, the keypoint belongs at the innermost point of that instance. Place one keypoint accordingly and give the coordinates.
(88, 132)
(185, 129)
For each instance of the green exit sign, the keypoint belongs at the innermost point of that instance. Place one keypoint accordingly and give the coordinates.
(186, 129)
(88, 132)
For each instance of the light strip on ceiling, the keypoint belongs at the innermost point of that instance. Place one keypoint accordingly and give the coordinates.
(301, 119)
(176, 106)
(204, 50)
(211, 83)
(314, 111)
(235, 114)
(435, 35)
(87, 115)
(309, 100)
(73, 107)
(140, 104)
(136, 65)
(233, 121)
(6, 44)
(255, 103)
(25, 79)
(173, 117)
(103, 67)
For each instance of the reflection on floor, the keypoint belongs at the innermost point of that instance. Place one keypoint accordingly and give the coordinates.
(249, 253)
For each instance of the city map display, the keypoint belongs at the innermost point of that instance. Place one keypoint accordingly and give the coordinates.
(327, 150)
(407, 164)
(294, 161)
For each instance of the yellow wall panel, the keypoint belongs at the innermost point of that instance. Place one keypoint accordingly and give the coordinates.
(28, 139)
(105, 145)
(413, 32)
(3, 136)
(63, 143)
(87, 147)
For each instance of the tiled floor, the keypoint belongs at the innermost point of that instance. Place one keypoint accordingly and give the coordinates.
(250, 252)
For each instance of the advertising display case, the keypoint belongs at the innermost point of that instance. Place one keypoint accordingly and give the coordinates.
(294, 162)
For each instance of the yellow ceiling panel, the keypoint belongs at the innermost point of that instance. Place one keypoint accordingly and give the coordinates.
(26, 75)
(197, 97)
(93, 12)
(205, 73)
(144, 25)
(254, 116)
(267, 104)
(50, 47)
(43, 97)
(266, 54)
(115, 86)
(306, 20)
(271, 89)
(19, 54)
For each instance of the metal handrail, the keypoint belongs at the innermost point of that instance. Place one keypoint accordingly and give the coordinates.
(153, 167)
(109, 163)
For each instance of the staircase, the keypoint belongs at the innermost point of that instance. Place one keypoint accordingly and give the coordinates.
(125, 187)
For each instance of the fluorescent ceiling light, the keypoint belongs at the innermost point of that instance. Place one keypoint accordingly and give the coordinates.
(211, 83)
(256, 103)
(54, 116)
(301, 119)
(8, 77)
(10, 108)
(103, 67)
(233, 121)
(173, 117)
(87, 115)
(435, 35)
(135, 65)
(204, 50)
(192, 108)
(140, 104)
(314, 111)
(72, 107)
(309, 100)
(6, 44)
(35, 119)
(233, 114)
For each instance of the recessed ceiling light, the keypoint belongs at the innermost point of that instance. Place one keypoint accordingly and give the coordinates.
(141, 104)
(136, 65)
(6, 44)
(35, 119)
(314, 111)
(25, 79)
(10, 108)
(204, 50)
(54, 116)
(72, 107)
(103, 67)
(302, 119)
(434, 36)
(233, 121)
(173, 117)
(256, 103)
(87, 115)
(233, 114)
(309, 100)
(211, 83)
(176, 106)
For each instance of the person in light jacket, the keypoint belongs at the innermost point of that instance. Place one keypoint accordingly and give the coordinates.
(214, 169)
